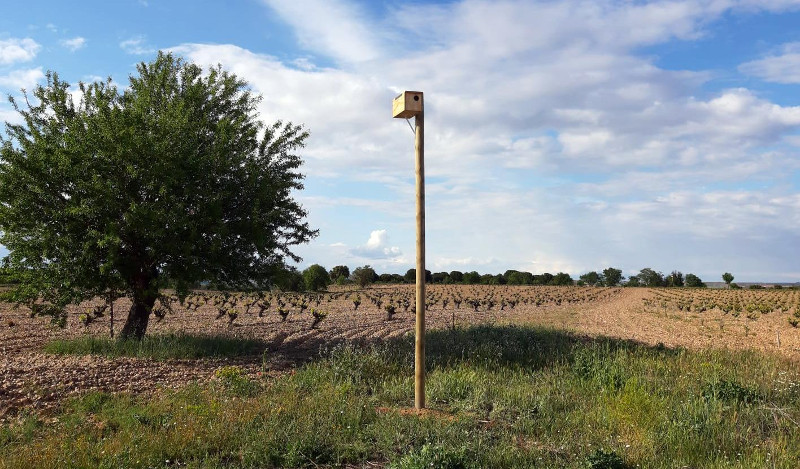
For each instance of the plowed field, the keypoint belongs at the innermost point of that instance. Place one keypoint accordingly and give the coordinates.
(31, 379)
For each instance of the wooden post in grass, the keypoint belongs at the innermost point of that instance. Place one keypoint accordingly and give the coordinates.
(406, 105)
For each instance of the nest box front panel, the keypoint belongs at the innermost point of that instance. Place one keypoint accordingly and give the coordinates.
(407, 104)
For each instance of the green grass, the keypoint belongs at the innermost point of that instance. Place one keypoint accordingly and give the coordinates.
(158, 347)
(504, 397)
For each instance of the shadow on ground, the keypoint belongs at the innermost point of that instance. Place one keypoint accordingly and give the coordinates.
(492, 345)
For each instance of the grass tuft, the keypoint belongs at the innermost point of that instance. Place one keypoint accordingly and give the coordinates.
(158, 347)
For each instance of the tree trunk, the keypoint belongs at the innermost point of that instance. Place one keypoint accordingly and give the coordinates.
(138, 317)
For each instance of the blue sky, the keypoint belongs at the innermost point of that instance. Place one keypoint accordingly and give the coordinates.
(560, 135)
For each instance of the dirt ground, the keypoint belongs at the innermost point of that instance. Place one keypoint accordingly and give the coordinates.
(31, 379)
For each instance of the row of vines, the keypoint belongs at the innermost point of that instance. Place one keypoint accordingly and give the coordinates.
(750, 303)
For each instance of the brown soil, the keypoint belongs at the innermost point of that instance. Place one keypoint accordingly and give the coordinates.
(30, 379)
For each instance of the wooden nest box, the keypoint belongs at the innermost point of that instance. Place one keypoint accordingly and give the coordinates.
(407, 104)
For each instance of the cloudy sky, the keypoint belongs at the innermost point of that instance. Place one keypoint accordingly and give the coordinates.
(560, 135)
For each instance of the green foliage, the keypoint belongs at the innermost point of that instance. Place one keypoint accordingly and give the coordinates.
(391, 278)
(57, 314)
(411, 276)
(543, 279)
(364, 276)
(236, 382)
(171, 178)
(489, 279)
(7, 276)
(318, 316)
(602, 459)
(694, 281)
(612, 277)
(440, 457)
(650, 278)
(288, 279)
(562, 278)
(727, 277)
(730, 391)
(674, 279)
(316, 278)
(339, 271)
(440, 277)
(470, 278)
(158, 347)
(590, 278)
(515, 277)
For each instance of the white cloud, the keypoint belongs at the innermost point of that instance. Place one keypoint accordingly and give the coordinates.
(781, 68)
(73, 44)
(18, 50)
(19, 79)
(10, 116)
(377, 247)
(332, 27)
(522, 100)
(137, 46)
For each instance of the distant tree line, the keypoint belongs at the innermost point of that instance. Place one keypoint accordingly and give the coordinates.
(648, 277)
(316, 277)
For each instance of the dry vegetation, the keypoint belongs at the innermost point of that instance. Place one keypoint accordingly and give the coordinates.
(291, 328)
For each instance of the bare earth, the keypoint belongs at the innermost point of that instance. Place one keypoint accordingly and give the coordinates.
(30, 379)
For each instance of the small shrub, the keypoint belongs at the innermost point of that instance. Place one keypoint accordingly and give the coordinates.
(602, 459)
(318, 316)
(433, 456)
(236, 382)
(232, 315)
(284, 313)
(730, 391)
(390, 310)
(160, 313)
(85, 319)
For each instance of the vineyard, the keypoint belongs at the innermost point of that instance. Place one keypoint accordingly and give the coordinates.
(582, 368)
(291, 328)
(752, 303)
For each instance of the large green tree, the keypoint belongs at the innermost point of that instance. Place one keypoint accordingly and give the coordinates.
(363, 276)
(727, 277)
(411, 276)
(339, 271)
(675, 279)
(651, 278)
(612, 277)
(316, 278)
(694, 281)
(562, 278)
(591, 278)
(173, 178)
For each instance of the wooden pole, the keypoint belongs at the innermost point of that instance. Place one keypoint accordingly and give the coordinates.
(419, 350)
(404, 106)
